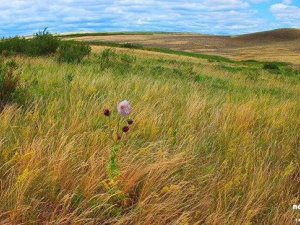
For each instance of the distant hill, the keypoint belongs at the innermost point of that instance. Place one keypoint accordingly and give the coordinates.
(274, 45)
(285, 34)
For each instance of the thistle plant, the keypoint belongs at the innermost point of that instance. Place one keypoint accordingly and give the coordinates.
(124, 109)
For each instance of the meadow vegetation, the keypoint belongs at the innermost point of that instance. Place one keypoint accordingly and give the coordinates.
(10, 88)
(73, 52)
(213, 142)
(273, 45)
(45, 44)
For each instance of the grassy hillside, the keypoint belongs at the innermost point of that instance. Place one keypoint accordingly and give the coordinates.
(275, 45)
(272, 36)
(213, 142)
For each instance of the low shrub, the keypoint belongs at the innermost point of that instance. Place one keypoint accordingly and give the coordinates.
(43, 43)
(73, 52)
(10, 88)
(119, 62)
(270, 66)
(107, 58)
(130, 45)
(12, 45)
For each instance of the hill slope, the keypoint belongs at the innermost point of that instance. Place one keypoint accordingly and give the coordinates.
(278, 35)
(277, 45)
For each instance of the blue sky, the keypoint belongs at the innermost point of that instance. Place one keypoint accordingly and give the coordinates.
(25, 17)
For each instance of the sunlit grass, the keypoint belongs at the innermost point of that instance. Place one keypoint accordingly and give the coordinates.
(217, 149)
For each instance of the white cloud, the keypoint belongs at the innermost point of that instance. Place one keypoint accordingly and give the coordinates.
(287, 14)
(287, 2)
(206, 16)
(259, 1)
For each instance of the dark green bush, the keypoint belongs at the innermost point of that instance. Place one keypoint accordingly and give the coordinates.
(10, 88)
(107, 58)
(119, 62)
(13, 45)
(43, 43)
(73, 52)
(270, 66)
(134, 46)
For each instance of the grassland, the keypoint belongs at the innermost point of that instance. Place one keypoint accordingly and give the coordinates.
(213, 142)
(276, 45)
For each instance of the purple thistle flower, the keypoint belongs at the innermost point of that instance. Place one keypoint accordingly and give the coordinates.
(106, 112)
(124, 108)
(130, 121)
(125, 129)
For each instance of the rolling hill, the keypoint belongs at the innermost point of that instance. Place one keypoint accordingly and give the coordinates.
(276, 45)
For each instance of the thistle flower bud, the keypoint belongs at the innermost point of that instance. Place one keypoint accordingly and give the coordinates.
(130, 121)
(106, 112)
(119, 137)
(125, 129)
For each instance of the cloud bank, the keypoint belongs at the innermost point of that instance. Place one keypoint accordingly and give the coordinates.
(23, 17)
(286, 14)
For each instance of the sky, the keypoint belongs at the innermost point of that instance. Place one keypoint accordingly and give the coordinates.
(226, 17)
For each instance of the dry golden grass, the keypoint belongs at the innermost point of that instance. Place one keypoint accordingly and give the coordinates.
(222, 149)
(152, 54)
(279, 45)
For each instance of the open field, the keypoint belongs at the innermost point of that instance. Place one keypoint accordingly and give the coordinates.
(278, 45)
(213, 141)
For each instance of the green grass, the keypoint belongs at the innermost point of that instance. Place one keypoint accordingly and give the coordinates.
(112, 33)
(210, 58)
(211, 143)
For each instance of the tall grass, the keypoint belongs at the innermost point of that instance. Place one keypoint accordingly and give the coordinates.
(217, 149)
